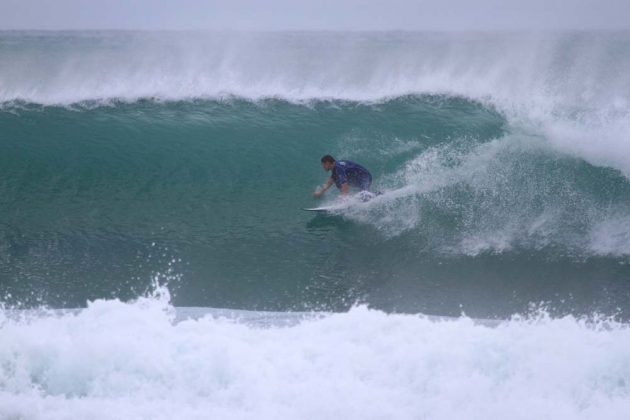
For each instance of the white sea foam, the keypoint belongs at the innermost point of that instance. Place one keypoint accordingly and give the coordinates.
(131, 360)
(611, 236)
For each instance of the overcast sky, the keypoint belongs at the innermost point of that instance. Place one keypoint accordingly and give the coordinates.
(316, 14)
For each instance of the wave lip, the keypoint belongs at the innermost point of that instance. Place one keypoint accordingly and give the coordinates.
(115, 360)
(574, 87)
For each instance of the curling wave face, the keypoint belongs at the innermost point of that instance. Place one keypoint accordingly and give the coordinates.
(503, 159)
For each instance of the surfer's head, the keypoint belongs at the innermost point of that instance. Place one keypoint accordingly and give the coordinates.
(328, 162)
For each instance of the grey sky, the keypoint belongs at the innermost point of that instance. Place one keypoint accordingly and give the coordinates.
(316, 14)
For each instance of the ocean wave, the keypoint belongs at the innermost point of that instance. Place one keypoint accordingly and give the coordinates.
(511, 154)
(573, 86)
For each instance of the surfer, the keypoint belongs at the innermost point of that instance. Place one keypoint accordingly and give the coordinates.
(345, 174)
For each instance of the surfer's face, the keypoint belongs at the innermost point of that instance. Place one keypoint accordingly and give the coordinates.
(327, 166)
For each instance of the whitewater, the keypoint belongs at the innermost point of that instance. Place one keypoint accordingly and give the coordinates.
(154, 263)
(132, 360)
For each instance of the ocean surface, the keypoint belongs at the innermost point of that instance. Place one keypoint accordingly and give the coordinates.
(155, 261)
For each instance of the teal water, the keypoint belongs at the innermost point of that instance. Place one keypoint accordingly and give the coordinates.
(208, 194)
(488, 209)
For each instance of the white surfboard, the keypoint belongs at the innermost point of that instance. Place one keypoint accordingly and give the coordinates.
(324, 209)
(330, 208)
(358, 199)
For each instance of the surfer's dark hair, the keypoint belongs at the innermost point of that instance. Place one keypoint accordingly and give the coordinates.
(328, 158)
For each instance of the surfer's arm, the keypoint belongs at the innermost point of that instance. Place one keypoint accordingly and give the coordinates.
(327, 185)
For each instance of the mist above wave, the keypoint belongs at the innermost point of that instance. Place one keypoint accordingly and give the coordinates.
(518, 69)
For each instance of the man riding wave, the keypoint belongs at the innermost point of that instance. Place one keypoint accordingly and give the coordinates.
(345, 174)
